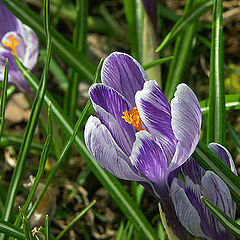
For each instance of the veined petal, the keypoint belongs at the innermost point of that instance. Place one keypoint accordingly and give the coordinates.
(155, 113)
(31, 46)
(148, 158)
(187, 214)
(106, 152)
(224, 155)
(8, 21)
(193, 170)
(124, 74)
(110, 106)
(215, 190)
(220, 194)
(186, 123)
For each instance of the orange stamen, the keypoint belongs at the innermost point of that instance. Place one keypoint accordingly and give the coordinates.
(12, 45)
(132, 117)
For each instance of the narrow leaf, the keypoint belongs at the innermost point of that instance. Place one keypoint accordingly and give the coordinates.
(223, 218)
(184, 21)
(216, 131)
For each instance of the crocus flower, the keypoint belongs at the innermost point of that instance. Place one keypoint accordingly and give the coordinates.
(138, 137)
(191, 211)
(16, 39)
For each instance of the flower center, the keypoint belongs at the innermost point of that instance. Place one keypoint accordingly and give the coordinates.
(11, 43)
(132, 117)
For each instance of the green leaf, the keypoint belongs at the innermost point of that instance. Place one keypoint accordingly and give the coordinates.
(182, 54)
(156, 62)
(66, 51)
(232, 102)
(223, 218)
(216, 131)
(113, 186)
(41, 166)
(209, 161)
(10, 230)
(3, 98)
(235, 136)
(184, 21)
(26, 226)
(134, 22)
(47, 237)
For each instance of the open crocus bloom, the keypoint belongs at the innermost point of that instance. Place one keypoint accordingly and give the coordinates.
(19, 40)
(186, 197)
(138, 136)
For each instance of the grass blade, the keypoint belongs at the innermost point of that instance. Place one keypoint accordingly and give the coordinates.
(11, 230)
(209, 161)
(26, 226)
(115, 189)
(133, 25)
(232, 102)
(47, 228)
(41, 166)
(182, 54)
(184, 21)
(74, 221)
(223, 218)
(156, 62)
(3, 98)
(61, 46)
(235, 136)
(216, 131)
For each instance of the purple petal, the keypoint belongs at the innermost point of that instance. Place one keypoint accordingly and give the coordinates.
(106, 152)
(155, 113)
(186, 123)
(30, 56)
(110, 106)
(123, 73)
(220, 194)
(224, 155)
(193, 170)
(187, 214)
(149, 159)
(8, 21)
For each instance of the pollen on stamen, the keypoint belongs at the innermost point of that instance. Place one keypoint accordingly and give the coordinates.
(132, 117)
(11, 43)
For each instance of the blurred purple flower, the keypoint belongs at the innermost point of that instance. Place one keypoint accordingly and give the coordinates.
(138, 136)
(150, 7)
(191, 211)
(19, 40)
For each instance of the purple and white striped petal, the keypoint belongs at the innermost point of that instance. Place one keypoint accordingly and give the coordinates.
(224, 155)
(8, 21)
(186, 124)
(155, 114)
(29, 59)
(106, 152)
(193, 170)
(149, 159)
(220, 194)
(110, 106)
(187, 214)
(124, 74)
